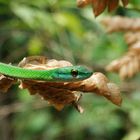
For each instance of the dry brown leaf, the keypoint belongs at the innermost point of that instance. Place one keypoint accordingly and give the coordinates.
(129, 64)
(6, 83)
(112, 5)
(60, 94)
(119, 23)
(100, 5)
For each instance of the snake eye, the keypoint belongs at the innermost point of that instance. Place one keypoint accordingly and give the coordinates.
(74, 72)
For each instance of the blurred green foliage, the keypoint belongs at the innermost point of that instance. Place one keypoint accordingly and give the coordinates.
(59, 30)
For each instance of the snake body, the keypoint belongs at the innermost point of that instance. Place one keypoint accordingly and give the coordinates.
(62, 74)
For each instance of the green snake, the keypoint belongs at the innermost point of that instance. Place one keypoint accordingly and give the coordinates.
(62, 74)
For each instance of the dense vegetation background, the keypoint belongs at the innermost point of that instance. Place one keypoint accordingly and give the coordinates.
(59, 30)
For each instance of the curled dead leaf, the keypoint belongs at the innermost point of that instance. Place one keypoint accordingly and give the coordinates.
(60, 94)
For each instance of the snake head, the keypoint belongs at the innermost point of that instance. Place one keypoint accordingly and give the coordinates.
(71, 73)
